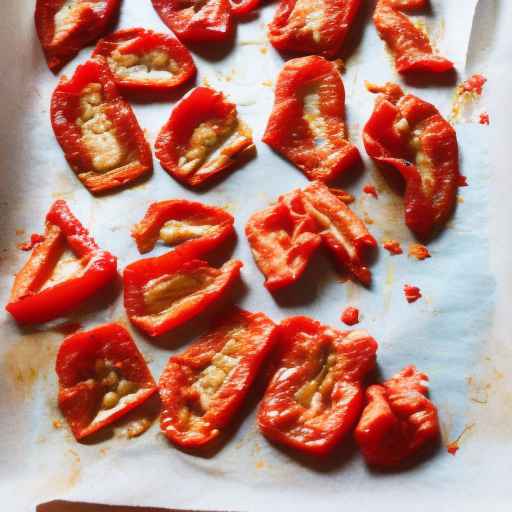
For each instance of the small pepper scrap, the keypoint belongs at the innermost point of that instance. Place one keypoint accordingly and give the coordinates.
(284, 236)
(102, 376)
(203, 388)
(419, 251)
(145, 61)
(398, 421)
(350, 316)
(371, 191)
(64, 27)
(410, 135)
(52, 283)
(166, 291)
(412, 293)
(202, 138)
(97, 129)
(409, 44)
(307, 124)
(312, 26)
(316, 395)
(393, 247)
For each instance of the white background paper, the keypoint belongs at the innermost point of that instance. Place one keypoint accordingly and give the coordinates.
(459, 332)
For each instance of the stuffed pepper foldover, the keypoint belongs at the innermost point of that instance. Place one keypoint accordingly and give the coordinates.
(102, 376)
(97, 129)
(144, 61)
(410, 135)
(204, 387)
(316, 393)
(408, 43)
(65, 27)
(64, 269)
(312, 26)
(307, 124)
(202, 138)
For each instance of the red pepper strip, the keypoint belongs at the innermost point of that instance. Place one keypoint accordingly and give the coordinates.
(204, 387)
(164, 292)
(191, 21)
(410, 135)
(350, 316)
(201, 123)
(342, 231)
(315, 396)
(142, 60)
(393, 247)
(410, 46)
(399, 419)
(282, 239)
(102, 376)
(412, 293)
(97, 129)
(197, 227)
(312, 26)
(65, 28)
(307, 122)
(39, 292)
(241, 7)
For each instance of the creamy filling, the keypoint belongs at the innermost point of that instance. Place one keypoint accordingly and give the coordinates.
(313, 13)
(68, 16)
(174, 232)
(67, 267)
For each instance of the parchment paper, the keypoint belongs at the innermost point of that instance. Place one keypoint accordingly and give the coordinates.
(458, 333)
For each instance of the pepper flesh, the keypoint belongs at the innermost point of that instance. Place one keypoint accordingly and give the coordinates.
(197, 228)
(242, 7)
(97, 129)
(39, 292)
(307, 123)
(398, 420)
(164, 292)
(410, 135)
(410, 46)
(145, 61)
(102, 376)
(202, 138)
(204, 387)
(64, 27)
(315, 395)
(312, 26)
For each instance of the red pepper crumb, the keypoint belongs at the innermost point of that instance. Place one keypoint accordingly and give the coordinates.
(462, 181)
(35, 239)
(419, 251)
(412, 293)
(453, 447)
(393, 247)
(484, 118)
(371, 190)
(350, 316)
(474, 84)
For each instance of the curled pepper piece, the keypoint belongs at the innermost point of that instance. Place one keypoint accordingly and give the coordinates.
(307, 124)
(102, 376)
(64, 27)
(410, 135)
(52, 283)
(398, 420)
(198, 228)
(164, 292)
(97, 129)
(312, 26)
(203, 388)
(145, 61)
(193, 22)
(316, 394)
(202, 138)
(410, 45)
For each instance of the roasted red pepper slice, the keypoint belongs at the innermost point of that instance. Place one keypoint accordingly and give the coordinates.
(204, 387)
(163, 292)
(102, 376)
(315, 396)
(409, 44)
(307, 123)
(52, 283)
(145, 61)
(410, 135)
(282, 239)
(197, 227)
(312, 26)
(65, 27)
(97, 129)
(241, 7)
(202, 137)
(399, 419)
(196, 21)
